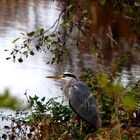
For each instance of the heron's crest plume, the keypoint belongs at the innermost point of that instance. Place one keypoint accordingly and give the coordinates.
(69, 74)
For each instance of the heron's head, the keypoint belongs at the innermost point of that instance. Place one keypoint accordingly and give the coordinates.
(67, 79)
(67, 76)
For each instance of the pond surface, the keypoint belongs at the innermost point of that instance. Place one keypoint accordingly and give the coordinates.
(22, 16)
(19, 17)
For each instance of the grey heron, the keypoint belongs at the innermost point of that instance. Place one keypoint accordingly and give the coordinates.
(80, 98)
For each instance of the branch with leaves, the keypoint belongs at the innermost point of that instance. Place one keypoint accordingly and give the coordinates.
(57, 39)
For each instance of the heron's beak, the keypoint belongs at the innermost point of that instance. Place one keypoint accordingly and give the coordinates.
(55, 77)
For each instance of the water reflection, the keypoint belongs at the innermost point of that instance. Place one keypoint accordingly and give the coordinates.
(18, 16)
(24, 16)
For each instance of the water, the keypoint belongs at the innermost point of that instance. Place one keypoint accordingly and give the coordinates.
(25, 16)
(18, 16)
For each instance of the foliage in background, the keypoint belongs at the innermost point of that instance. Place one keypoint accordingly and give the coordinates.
(8, 101)
(58, 39)
(119, 105)
(129, 10)
(44, 120)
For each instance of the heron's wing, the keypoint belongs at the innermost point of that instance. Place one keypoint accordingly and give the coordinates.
(83, 103)
(79, 93)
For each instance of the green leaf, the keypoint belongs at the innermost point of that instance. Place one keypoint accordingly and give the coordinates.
(102, 2)
(103, 80)
(25, 53)
(39, 104)
(20, 60)
(32, 53)
(129, 102)
(31, 34)
(54, 43)
(53, 35)
(48, 39)
(129, 8)
(65, 25)
(6, 100)
(35, 97)
(43, 99)
(23, 34)
(42, 31)
(125, 137)
(14, 41)
(26, 45)
(86, 1)
(8, 58)
(70, 6)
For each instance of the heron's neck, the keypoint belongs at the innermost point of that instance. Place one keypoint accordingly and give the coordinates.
(70, 82)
